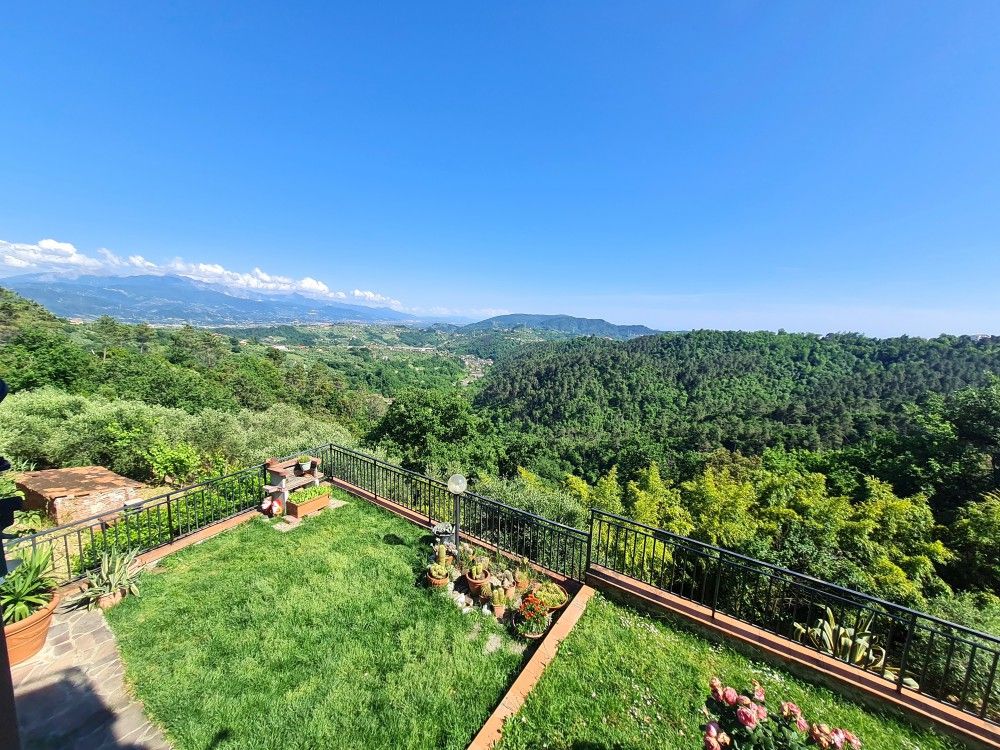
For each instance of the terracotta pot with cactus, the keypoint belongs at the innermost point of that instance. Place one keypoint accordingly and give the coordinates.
(476, 576)
(499, 601)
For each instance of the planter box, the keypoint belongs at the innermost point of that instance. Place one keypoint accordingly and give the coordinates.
(314, 505)
(26, 638)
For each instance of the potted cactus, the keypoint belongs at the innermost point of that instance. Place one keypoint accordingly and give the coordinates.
(486, 592)
(476, 576)
(438, 572)
(505, 581)
(304, 462)
(437, 575)
(499, 601)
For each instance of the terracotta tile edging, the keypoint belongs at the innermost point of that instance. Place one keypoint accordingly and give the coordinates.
(510, 704)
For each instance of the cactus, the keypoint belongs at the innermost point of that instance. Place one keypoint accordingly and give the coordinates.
(437, 570)
(855, 646)
(442, 555)
(477, 571)
(506, 579)
(486, 592)
(498, 599)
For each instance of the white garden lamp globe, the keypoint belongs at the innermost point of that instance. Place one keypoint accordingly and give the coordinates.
(457, 484)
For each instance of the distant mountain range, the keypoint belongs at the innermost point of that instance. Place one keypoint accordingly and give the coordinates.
(177, 300)
(561, 323)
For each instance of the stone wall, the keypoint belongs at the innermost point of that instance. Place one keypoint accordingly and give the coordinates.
(67, 495)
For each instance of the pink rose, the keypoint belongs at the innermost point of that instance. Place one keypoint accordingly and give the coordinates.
(729, 696)
(744, 701)
(724, 739)
(758, 691)
(711, 743)
(789, 709)
(715, 683)
(747, 717)
(801, 724)
(712, 729)
(852, 740)
(838, 738)
(761, 713)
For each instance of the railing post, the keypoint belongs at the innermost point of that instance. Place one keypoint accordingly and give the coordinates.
(375, 478)
(906, 652)
(170, 518)
(718, 580)
(590, 536)
(458, 516)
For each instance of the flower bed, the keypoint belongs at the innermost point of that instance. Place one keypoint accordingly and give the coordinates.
(517, 595)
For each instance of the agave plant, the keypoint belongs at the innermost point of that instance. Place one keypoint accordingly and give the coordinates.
(29, 587)
(117, 571)
(853, 645)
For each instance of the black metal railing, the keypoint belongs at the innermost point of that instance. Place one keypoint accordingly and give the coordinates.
(552, 545)
(916, 651)
(144, 525)
(945, 661)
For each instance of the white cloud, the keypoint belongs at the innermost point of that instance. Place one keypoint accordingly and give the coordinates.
(53, 255)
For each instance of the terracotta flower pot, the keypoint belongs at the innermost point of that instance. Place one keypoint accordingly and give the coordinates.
(476, 585)
(565, 599)
(107, 601)
(436, 582)
(313, 505)
(510, 592)
(26, 638)
(534, 636)
(499, 611)
(522, 585)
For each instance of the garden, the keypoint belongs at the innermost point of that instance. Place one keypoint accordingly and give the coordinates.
(626, 679)
(329, 635)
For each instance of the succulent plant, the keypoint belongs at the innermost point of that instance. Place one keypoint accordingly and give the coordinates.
(437, 570)
(497, 598)
(551, 595)
(853, 645)
(477, 571)
(441, 555)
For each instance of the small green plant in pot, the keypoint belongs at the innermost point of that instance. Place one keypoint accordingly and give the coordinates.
(116, 576)
(533, 618)
(552, 595)
(28, 598)
(522, 575)
(476, 576)
(437, 574)
(499, 601)
(304, 462)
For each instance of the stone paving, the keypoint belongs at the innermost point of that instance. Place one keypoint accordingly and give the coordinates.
(71, 695)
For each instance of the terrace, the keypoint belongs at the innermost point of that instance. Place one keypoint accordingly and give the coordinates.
(327, 636)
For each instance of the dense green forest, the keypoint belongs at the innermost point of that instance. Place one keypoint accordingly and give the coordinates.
(872, 463)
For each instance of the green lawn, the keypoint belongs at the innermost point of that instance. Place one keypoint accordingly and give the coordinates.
(624, 680)
(318, 638)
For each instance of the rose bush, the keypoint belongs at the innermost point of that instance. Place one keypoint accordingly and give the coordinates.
(736, 721)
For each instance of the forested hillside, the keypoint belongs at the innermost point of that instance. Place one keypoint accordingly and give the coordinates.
(662, 397)
(872, 463)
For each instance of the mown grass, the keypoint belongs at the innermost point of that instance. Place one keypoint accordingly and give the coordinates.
(317, 638)
(625, 680)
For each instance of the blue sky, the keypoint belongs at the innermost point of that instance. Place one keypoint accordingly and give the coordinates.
(797, 165)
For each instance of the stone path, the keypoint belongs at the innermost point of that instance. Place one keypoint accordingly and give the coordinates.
(71, 694)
